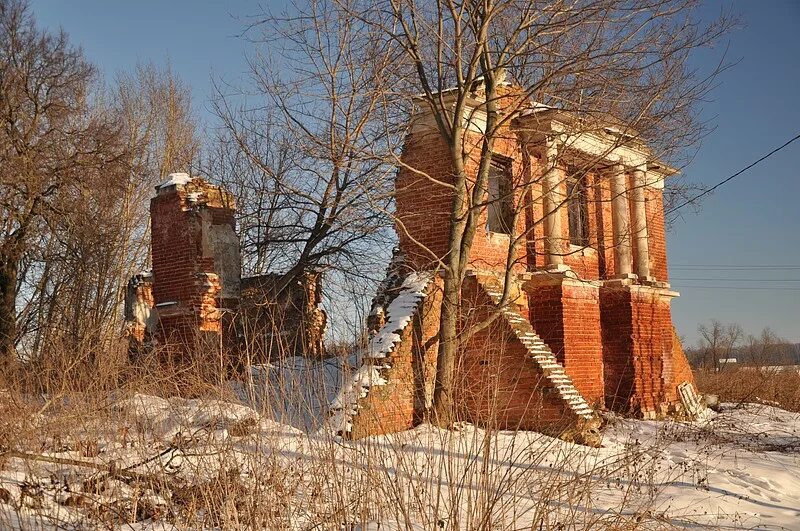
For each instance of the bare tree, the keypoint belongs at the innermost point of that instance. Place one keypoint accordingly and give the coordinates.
(603, 61)
(298, 147)
(766, 349)
(51, 138)
(595, 59)
(161, 130)
(718, 341)
(74, 284)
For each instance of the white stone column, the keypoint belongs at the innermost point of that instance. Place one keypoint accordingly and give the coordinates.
(639, 222)
(620, 221)
(552, 199)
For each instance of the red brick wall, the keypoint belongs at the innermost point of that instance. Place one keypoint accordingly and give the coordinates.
(591, 263)
(400, 404)
(183, 268)
(652, 349)
(637, 348)
(605, 235)
(490, 251)
(497, 383)
(175, 247)
(423, 206)
(583, 261)
(656, 233)
(567, 317)
(617, 336)
(423, 209)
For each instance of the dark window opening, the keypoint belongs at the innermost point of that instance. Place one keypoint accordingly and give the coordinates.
(501, 207)
(577, 208)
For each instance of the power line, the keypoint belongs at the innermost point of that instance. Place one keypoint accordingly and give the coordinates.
(762, 288)
(706, 192)
(738, 265)
(734, 268)
(737, 279)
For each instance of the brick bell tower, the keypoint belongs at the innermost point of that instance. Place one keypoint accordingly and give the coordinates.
(196, 261)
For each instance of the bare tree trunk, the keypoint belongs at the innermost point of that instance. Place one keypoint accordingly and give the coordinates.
(8, 308)
(443, 404)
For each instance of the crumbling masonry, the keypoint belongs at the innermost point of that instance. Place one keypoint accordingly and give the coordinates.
(195, 295)
(580, 324)
(587, 323)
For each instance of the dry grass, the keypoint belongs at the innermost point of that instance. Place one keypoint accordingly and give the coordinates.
(87, 462)
(771, 386)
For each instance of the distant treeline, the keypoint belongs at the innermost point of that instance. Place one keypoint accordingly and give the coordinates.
(750, 355)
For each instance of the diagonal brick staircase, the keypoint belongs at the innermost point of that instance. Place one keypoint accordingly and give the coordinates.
(539, 352)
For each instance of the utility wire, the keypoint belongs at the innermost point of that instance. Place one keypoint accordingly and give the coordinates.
(760, 288)
(737, 279)
(698, 196)
(763, 266)
(743, 269)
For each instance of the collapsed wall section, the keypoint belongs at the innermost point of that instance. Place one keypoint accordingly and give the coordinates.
(196, 263)
(393, 388)
(140, 316)
(195, 296)
(279, 318)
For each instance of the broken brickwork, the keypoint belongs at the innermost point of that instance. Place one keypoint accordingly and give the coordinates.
(195, 295)
(140, 319)
(282, 322)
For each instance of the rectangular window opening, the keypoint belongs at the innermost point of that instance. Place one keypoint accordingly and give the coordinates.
(578, 211)
(501, 205)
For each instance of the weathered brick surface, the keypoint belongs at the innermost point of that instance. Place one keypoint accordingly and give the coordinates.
(656, 233)
(197, 302)
(637, 348)
(566, 315)
(422, 203)
(140, 318)
(601, 195)
(403, 401)
(187, 285)
(424, 200)
(615, 342)
(496, 381)
(274, 324)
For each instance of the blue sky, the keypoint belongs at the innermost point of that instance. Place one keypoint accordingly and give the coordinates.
(746, 226)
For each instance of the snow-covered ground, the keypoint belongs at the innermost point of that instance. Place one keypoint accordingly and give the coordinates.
(177, 464)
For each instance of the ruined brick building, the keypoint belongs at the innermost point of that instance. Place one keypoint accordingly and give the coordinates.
(195, 295)
(588, 324)
(572, 232)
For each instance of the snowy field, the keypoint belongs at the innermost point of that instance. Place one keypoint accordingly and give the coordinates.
(152, 463)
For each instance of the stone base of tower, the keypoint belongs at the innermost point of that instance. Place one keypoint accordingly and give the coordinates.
(638, 343)
(565, 312)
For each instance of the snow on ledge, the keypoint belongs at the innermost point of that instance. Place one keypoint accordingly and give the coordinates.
(399, 313)
(175, 179)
